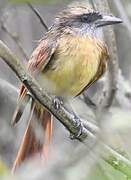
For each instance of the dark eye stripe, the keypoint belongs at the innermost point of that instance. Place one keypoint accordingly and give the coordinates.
(90, 17)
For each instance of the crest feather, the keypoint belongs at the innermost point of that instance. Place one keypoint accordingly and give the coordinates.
(81, 5)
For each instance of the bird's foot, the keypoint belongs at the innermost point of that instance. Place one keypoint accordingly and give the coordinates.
(29, 94)
(79, 128)
(57, 102)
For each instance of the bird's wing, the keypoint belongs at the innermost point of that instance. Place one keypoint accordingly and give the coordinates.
(39, 59)
(41, 55)
(101, 70)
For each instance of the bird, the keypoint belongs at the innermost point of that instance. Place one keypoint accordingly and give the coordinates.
(68, 59)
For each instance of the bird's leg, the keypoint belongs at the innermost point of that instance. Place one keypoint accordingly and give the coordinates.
(57, 102)
(77, 122)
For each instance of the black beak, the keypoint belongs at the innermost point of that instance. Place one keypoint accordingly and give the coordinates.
(108, 20)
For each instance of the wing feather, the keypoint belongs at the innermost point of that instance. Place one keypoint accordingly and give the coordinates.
(39, 59)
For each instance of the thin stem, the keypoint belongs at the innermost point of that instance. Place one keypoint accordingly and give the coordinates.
(117, 161)
(36, 12)
(123, 15)
(15, 38)
(113, 64)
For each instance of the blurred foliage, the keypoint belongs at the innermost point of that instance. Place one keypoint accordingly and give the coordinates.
(39, 1)
(3, 169)
(124, 168)
(103, 171)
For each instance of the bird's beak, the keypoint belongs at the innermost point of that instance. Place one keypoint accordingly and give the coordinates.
(108, 20)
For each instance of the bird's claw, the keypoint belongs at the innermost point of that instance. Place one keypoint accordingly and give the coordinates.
(57, 103)
(29, 94)
(79, 127)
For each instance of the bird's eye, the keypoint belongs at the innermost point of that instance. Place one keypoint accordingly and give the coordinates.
(90, 17)
(84, 18)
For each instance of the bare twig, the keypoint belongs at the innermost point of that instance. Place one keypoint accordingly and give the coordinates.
(15, 38)
(123, 95)
(113, 63)
(38, 16)
(10, 95)
(123, 15)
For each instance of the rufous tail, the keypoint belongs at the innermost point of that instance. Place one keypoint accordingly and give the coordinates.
(31, 145)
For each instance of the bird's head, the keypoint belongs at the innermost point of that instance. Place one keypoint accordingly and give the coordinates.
(83, 19)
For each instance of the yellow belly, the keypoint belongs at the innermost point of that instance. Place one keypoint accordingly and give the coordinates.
(73, 66)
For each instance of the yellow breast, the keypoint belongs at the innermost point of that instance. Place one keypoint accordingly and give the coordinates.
(73, 65)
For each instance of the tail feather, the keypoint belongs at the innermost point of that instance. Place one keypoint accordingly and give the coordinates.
(21, 101)
(31, 144)
(25, 149)
(47, 126)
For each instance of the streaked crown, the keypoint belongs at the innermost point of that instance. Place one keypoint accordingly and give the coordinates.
(79, 14)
